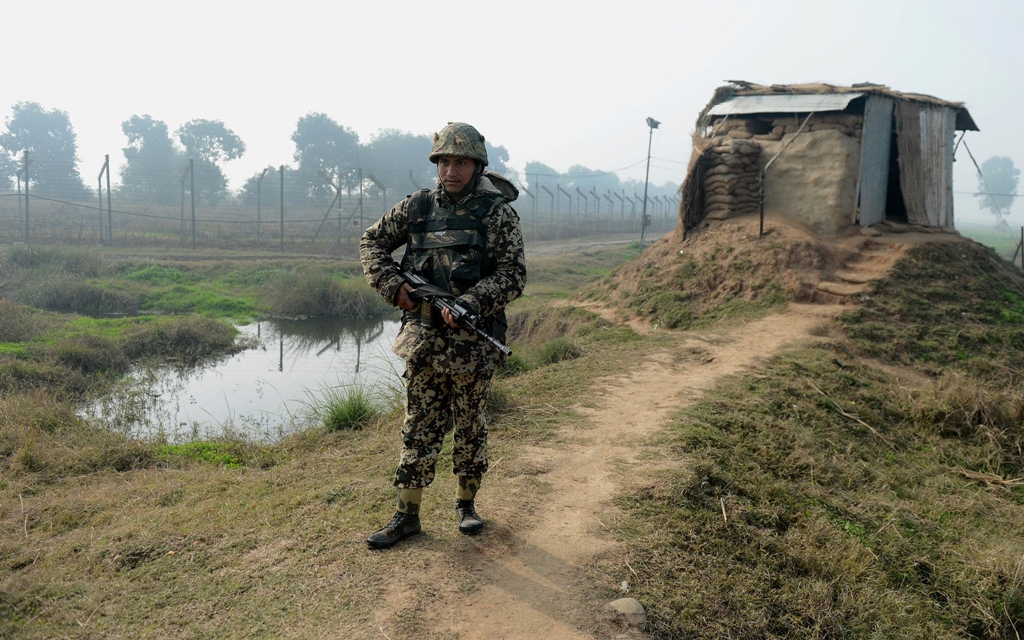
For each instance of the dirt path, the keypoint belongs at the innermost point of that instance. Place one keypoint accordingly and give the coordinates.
(529, 577)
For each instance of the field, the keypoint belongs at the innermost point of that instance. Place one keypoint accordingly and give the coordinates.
(774, 466)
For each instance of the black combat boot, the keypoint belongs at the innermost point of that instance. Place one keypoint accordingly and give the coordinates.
(469, 522)
(401, 526)
(405, 523)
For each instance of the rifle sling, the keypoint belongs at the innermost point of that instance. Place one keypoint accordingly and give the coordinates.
(424, 291)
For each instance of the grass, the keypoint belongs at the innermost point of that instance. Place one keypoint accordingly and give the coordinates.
(1003, 242)
(865, 487)
(91, 283)
(348, 407)
(831, 497)
(235, 539)
(558, 276)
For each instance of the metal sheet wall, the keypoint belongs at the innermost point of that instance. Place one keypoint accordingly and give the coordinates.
(874, 159)
(908, 143)
(924, 137)
(937, 133)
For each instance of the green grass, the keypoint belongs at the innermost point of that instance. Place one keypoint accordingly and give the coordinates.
(215, 539)
(96, 284)
(558, 276)
(348, 407)
(826, 496)
(1002, 242)
(868, 483)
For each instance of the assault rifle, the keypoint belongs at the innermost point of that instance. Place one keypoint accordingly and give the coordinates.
(441, 300)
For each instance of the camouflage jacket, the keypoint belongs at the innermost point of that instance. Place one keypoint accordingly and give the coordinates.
(451, 350)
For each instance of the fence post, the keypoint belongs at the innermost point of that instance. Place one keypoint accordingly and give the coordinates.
(181, 231)
(99, 185)
(259, 203)
(110, 217)
(192, 194)
(28, 236)
(282, 207)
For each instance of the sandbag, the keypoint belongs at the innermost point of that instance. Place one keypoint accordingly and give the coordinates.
(719, 199)
(728, 178)
(828, 126)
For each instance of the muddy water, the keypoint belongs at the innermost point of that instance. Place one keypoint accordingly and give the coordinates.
(262, 393)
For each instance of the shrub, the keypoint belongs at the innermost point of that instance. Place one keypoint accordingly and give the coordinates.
(319, 293)
(17, 323)
(514, 365)
(344, 407)
(187, 339)
(41, 434)
(74, 261)
(558, 350)
(89, 354)
(73, 295)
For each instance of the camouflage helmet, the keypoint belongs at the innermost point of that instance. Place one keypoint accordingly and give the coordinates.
(461, 140)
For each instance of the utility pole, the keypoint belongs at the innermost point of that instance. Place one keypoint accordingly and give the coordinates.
(653, 124)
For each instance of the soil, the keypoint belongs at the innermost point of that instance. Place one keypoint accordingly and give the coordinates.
(531, 571)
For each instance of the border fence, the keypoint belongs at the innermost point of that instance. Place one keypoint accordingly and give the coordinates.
(286, 216)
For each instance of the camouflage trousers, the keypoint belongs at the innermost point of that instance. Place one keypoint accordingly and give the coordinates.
(435, 404)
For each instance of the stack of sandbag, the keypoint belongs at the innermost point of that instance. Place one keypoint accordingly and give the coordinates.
(731, 181)
(846, 123)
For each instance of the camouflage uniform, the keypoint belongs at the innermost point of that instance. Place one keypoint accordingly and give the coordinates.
(448, 371)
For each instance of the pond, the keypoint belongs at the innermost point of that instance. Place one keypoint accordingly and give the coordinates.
(262, 393)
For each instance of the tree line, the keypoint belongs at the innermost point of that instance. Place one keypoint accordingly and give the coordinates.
(328, 158)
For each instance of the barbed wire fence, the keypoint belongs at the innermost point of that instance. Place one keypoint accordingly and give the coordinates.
(294, 211)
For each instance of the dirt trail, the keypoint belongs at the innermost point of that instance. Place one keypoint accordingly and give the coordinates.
(530, 577)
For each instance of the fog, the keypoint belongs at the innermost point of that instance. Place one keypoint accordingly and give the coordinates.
(564, 84)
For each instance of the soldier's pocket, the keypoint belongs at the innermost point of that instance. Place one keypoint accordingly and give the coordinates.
(413, 342)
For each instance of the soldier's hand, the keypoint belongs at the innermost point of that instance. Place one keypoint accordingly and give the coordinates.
(403, 299)
(448, 319)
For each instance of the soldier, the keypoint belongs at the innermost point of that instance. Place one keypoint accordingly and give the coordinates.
(463, 237)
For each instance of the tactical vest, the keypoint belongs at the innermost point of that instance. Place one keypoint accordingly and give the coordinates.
(448, 247)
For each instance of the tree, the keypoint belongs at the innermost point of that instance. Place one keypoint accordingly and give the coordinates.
(399, 161)
(8, 169)
(497, 159)
(587, 179)
(53, 153)
(268, 192)
(153, 166)
(997, 186)
(209, 143)
(539, 174)
(326, 152)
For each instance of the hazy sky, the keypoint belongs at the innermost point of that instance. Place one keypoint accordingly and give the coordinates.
(559, 82)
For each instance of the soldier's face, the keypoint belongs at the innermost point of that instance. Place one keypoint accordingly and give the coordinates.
(455, 173)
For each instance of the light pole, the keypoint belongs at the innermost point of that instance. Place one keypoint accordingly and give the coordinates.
(653, 124)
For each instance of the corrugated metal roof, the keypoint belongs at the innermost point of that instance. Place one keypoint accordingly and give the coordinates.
(784, 103)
